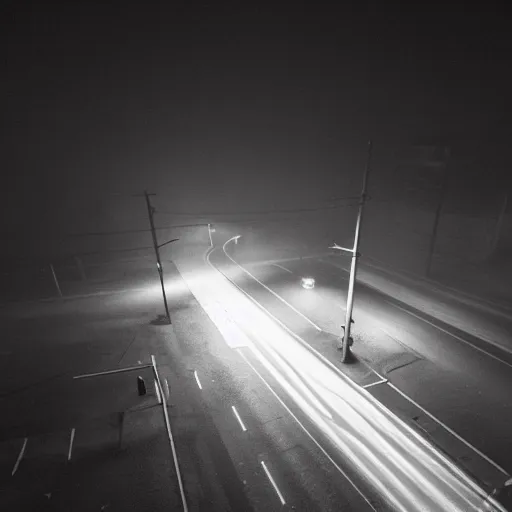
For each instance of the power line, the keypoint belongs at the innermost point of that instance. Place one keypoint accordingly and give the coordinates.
(281, 220)
(265, 212)
(131, 231)
(106, 251)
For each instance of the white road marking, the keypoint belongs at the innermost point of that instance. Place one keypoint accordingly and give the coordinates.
(283, 502)
(20, 456)
(281, 267)
(268, 289)
(453, 335)
(306, 430)
(238, 418)
(71, 439)
(383, 381)
(197, 380)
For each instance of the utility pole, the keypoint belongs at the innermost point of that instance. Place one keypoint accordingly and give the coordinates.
(151, 211)
(499, 223)
(437, 216)
(55, 280)
(347, 340)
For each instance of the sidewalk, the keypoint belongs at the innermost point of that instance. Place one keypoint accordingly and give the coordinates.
(483, 319)
(480, 289)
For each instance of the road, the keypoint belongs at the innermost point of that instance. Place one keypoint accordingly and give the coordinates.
(260, 421)
(452, 386)
(240, 445)
(273, 444)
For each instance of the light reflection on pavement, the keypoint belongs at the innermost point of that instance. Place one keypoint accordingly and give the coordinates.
(406, 470)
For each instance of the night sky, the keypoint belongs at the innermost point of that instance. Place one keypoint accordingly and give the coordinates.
(234, 107)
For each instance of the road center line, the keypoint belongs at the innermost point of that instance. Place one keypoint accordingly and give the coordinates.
(20, 456)
(197, 380)
(238, 418)
(273, 483)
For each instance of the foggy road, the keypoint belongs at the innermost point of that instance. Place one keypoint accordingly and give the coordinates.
(451, 392)
(139, 142)
(261, 421)
(240, 445)
(273, 444)
(460, 378)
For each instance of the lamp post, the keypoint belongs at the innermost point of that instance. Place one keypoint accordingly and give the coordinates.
(347, 340)
(151, 211)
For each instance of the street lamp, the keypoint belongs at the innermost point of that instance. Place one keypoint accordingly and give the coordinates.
(157, 247)
(347, 339)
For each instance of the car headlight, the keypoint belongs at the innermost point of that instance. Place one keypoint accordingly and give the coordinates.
(308, 283)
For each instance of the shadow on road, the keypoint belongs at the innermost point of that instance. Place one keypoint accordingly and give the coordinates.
(160, 320)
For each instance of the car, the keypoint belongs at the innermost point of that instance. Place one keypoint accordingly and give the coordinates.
(307, 282)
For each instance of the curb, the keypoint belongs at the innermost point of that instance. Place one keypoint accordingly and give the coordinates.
(458, 295)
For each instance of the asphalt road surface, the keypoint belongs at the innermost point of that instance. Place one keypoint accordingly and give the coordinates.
(260, 420)
(452, 386)
(240, 446)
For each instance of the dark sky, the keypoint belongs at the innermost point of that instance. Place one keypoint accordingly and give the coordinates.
(221, 106)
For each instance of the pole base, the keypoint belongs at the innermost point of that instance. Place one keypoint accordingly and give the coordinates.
(141, 386)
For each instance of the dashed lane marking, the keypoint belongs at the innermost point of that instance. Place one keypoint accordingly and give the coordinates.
(235, 412)
(20, 456)
(274, 485)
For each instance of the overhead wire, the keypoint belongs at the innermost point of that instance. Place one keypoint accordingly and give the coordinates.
(261, 212)
(130, 231)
